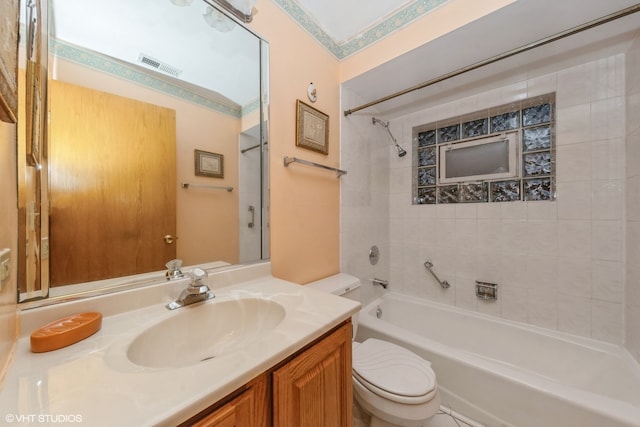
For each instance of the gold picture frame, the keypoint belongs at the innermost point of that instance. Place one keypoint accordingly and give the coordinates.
(312, 128)
(209, 164)
(9, 60)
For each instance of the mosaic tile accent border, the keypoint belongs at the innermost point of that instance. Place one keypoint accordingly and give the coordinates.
(118, 69)
(533, 119)
(401, 18)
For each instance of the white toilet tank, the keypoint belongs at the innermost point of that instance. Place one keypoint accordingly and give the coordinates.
(343, 285)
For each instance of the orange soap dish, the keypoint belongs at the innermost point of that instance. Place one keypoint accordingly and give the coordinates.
(66, 331)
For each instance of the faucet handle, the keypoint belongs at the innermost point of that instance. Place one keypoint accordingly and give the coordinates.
(173, 269)
(197, 275)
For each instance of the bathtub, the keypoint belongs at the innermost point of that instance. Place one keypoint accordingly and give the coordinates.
(504, 373)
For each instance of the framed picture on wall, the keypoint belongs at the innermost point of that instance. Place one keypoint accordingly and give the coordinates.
(9, 60)
(209, 164)
(312, 128)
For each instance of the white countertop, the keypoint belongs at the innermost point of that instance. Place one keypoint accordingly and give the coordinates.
(92, 383)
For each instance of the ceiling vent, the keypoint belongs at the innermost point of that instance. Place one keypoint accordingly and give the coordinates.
(159, 65)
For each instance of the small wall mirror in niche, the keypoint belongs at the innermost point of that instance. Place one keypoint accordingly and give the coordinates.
(127, 110)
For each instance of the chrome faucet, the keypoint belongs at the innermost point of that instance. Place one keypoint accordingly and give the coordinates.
(196, 291)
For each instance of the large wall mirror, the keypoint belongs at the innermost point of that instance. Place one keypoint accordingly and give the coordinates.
(142, 138)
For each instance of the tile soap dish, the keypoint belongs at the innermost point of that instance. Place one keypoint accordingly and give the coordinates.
(66, 331)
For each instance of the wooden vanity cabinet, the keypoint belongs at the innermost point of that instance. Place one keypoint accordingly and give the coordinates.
(312, 388)
(252, 408)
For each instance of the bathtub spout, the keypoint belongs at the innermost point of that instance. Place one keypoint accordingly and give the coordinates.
(381, 282)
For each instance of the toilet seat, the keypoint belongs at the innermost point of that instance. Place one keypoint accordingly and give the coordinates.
(393, 372)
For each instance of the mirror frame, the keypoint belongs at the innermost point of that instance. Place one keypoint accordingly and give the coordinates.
(33, 192)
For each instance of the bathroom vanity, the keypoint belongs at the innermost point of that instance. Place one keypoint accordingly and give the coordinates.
(313, 387)
(262, 352)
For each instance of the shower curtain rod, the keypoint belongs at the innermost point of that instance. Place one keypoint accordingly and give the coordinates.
(575, 30)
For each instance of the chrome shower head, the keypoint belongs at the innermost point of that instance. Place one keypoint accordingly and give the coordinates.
(401, 151)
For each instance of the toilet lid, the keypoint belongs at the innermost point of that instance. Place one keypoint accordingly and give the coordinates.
(390, 370)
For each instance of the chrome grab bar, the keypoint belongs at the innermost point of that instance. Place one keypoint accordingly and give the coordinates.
(214, 187)
(288, 160)
(429, 265)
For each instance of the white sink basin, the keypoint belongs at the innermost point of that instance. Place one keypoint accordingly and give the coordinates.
(202, 332)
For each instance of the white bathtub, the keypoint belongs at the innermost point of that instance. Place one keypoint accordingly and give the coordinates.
(504, 373)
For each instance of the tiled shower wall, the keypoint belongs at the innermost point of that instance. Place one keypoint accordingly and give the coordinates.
(632, 200)
(364, 192)
(558, 264)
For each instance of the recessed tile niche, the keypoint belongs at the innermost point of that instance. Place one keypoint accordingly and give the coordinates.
(523, 131)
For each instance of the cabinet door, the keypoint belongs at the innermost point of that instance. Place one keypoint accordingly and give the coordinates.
(250, 409)
(314, 389)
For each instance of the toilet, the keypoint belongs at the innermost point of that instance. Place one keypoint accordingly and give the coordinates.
(391, 384)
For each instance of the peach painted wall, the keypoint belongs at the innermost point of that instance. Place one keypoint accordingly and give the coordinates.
(448, 17)
(207, 220)
(8, 239)
(305, 201)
